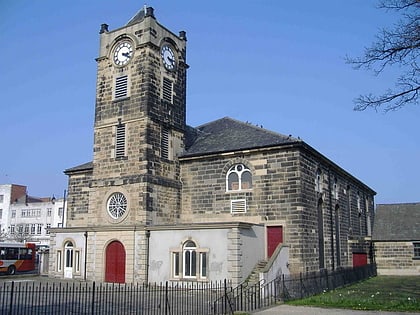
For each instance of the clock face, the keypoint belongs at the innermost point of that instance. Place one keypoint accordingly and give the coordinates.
(168, 57)
(123, 53)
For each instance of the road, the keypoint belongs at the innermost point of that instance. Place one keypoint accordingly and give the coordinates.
(306, 310)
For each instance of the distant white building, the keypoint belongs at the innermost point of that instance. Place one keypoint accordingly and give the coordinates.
(27, 218)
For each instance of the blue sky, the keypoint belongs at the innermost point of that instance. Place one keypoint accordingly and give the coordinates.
(279, 64)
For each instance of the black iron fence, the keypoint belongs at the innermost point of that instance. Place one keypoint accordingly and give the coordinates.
(34, 297)
(22, 298)
(247, 297)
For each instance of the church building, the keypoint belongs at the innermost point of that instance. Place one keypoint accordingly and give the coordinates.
(164, 201)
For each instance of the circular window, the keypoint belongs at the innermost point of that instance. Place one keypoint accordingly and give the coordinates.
(117, 205)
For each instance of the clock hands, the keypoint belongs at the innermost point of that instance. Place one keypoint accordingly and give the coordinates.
(126, 54)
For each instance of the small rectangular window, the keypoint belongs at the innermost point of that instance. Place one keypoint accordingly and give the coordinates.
(167, 90)
(203, 265)
(120, 141)
(416, 250)
(1, 213)
(1, 198)
(59, 260)
(77, 261)
(121, 87)
(175, 264)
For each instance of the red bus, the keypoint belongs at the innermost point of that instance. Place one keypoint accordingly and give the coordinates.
(17, 257)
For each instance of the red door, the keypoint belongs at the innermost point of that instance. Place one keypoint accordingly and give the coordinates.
(274, 238)
(115, 263)
(359, 259)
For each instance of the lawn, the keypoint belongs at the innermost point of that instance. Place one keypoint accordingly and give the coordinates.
(382, 293)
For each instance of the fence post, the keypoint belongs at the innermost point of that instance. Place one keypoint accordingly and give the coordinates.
(283, 286)
(326, 279)
(301, 286)
(166, 298)
(11, 298)
(93, 298)
(226, 297)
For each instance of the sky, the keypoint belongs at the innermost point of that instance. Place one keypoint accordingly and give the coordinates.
(279, 64)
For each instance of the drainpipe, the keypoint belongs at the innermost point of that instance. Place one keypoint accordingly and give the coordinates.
(147, 255)
(331, 220)
(64, 209)
(86, 239)
(134, 253)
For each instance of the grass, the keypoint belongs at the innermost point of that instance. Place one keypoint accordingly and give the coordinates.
(382, 293)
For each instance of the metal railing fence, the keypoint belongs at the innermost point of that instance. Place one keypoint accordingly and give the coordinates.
(44, 297)
(248, 297)
(23, 298)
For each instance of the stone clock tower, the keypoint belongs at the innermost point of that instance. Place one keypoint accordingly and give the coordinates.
(133, 183)
(139, 126)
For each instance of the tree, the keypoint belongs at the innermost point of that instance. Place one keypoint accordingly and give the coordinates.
(3, 235)
(399, 46)
(20, 234)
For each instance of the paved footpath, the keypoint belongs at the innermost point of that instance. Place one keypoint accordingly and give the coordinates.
(306, 310)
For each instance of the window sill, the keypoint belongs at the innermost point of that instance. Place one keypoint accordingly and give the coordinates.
(116, 100)
(189, 279)
(238, 191)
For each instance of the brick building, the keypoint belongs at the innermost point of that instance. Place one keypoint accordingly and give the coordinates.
(165, 201)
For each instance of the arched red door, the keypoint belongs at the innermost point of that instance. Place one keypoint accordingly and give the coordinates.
(115, 262)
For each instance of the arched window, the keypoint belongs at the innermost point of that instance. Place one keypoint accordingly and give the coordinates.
(359, 206)
(68, 247)
(337, 234)
(238, 177)
(335, 189)
(321, 251)
(190, 259)
(318, 181)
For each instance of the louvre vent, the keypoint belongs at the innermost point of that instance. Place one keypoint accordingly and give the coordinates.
(165, 143)
(167, 90)
(238, 206)
(120, 141)
(121, 87)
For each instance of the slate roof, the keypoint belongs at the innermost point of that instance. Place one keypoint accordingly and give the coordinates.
(222, 135)
(227, 134)
(397, 222)
(140, 15)
(80, 168)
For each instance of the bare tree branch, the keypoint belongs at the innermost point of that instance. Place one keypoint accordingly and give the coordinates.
(400, 47)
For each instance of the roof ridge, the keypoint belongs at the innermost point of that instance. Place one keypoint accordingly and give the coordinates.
(249, 124)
